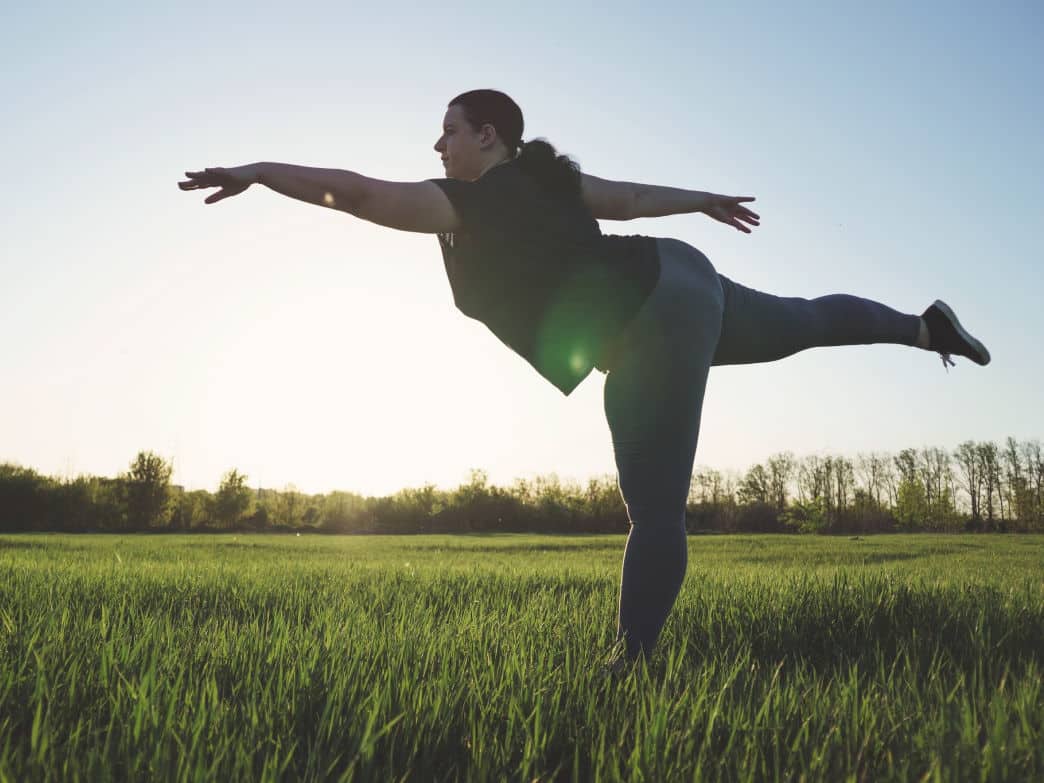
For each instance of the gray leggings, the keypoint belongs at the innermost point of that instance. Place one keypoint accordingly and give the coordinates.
(696, 318)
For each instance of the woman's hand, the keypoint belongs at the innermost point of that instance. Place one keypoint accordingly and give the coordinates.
(728, 210)
(232, 181)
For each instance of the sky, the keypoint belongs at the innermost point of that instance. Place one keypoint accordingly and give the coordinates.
(894, 150)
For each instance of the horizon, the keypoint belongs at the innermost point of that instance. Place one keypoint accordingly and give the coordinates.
(730, 475)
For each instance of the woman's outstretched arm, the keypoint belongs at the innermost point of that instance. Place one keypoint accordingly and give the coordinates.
(407, 206)
(611, 200)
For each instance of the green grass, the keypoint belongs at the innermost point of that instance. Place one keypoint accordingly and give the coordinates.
(477, 657)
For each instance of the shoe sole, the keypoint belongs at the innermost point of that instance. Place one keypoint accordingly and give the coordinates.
(983, 357)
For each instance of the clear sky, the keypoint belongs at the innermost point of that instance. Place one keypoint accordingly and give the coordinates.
(895, 150)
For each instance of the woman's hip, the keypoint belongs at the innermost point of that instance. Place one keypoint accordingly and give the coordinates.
(687, 299)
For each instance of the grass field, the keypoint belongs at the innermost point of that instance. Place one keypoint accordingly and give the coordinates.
(477, 658)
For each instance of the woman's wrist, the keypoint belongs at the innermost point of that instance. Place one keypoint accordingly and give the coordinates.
(701, 200)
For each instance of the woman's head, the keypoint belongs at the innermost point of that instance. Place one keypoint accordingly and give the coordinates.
(481, 129)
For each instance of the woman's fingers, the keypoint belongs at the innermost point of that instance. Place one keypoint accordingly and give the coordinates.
(737, 200)
(225, 192)
(195, 184)
(729, 210)
(732, 214)
(195, 181)
(208, 178)
(211, 178)
(228, 182)
(742, 213)
(214, 198)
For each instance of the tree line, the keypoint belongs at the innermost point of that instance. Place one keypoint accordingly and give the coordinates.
(979, 486)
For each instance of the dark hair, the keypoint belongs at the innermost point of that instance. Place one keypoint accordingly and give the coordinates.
(538, 158)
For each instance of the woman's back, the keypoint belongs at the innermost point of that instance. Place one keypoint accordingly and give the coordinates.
(533, 265)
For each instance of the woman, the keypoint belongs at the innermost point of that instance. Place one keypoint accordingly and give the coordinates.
(524, 254)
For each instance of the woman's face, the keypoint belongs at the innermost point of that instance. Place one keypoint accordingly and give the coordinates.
(463, 149)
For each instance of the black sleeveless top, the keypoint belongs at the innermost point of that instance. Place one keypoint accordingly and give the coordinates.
(535, 268)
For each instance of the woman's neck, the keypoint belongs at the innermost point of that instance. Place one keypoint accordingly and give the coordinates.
(493, 165)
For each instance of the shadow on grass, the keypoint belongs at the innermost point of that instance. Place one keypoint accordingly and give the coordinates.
(829, 558)
(868, 620)
(519, 548)
(39, 546)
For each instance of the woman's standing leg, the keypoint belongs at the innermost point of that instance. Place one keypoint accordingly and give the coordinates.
(653, 399)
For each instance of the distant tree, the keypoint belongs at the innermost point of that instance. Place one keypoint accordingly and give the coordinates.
(990, 470)
(470, 504)
(867, 515)
(148, 491)
(969, 475)
(71, 505)
(707, 486)
(806, 516)
(911, 506)
(730, 481)
(23, 498)
(874, 470)
(109, 499)
(475, 489)
(844, 482)
(1031, 451)
(603, 497)
(911, 503)
(289, 506)
(262, 517)
(522, 490)
(343, 511)
(755, 487)
(1018, 489)
(814, 479)
(781, 469)
(554, 499)
(232, 499)
(191, 510)
(935, 473)
(906, 465)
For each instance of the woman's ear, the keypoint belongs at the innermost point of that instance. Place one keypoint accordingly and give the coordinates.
(487, 136)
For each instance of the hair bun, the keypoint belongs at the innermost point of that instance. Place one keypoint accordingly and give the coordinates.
(540, 159)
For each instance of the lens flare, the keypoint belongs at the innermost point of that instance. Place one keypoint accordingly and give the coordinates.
(572, 325)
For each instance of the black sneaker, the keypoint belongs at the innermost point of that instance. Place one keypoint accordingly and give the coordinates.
(947, 336)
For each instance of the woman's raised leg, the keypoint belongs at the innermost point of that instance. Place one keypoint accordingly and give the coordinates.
(760, 327)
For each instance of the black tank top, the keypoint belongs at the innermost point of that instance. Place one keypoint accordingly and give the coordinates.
(535, 268)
